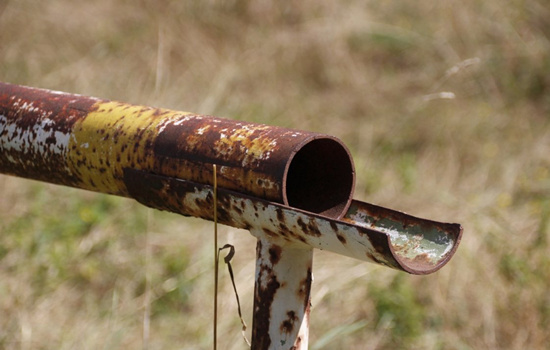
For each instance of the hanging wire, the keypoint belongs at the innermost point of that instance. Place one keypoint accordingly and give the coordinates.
(227, 260)
(216, 257)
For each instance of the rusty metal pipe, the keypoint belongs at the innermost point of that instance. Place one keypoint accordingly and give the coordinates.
(87, 143)
(291, 189)
(287, 184)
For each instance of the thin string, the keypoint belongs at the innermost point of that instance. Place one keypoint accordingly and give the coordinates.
(227, 260)
(216, 257)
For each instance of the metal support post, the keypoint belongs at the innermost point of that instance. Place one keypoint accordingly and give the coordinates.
(281, 295)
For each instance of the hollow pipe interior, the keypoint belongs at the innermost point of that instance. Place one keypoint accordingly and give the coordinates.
(320, 178)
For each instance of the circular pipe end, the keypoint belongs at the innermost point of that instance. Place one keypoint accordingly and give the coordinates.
(320, 177)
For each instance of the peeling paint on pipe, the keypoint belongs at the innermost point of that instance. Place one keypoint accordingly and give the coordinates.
(281, 295)
(366, 232)
(86, 142)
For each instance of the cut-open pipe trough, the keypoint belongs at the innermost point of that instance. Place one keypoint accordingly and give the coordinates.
(291, 189)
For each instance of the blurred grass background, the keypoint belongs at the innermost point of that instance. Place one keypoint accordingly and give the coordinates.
(444, 105)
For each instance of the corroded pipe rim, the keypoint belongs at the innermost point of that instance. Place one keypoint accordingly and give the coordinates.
(319, 177)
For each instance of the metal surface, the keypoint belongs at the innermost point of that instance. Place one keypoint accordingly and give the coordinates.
(286, 238)
(87, 143)
(281, 295)
(291, 189)
(367, 232)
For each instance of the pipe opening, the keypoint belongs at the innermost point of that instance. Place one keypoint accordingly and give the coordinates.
(320, 178)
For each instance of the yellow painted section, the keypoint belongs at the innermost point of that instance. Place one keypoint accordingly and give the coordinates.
(257, 148)
(113, 137)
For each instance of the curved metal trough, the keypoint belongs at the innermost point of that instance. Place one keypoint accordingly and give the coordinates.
(366, 232)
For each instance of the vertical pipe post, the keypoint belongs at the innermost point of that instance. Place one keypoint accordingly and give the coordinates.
(281, 296)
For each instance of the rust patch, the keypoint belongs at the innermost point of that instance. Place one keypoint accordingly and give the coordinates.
(280, 215)
(289, 234)
(275, 254)
(224, 215)
(419, 262)
(380, 243)
(305, 288)
(287, 326)
(270, 233)
(263, 299)
(303, 226)
(237, 209)
(376, 259)
(310, 228)
(341, 238)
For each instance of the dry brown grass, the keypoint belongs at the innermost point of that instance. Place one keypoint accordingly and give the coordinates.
(444, 106)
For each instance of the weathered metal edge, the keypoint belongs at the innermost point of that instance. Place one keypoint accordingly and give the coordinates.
(353, 238)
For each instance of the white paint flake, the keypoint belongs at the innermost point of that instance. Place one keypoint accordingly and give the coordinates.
(34, 140)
